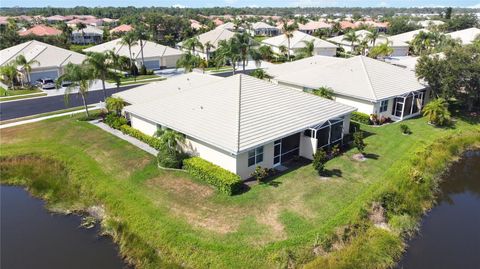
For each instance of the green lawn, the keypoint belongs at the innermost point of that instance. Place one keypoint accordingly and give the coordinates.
(176, 219)
(4, 92)
(132, 79)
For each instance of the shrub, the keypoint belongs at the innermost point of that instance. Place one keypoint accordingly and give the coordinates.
(354, 126)
(115, 104)
(260, 173)
(223, 180)
(150, 140)
(361, 117)
(358, 141)
(170, 158)
(437, 112)
(319, 160)
(115, 121)
(405, 129)
(335, 151)
(325, 92)
(143, 70)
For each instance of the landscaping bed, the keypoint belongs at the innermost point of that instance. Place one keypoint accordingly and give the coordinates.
(166, 218)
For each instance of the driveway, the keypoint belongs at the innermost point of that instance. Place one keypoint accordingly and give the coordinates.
(28, 107)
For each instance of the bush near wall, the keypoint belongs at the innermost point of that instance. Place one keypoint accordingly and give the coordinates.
(150, 140)
(361, 117)
(224, 180)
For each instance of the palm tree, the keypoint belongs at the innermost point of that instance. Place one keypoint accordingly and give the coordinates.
(9, 73)
(188, 61)
(283, 49)
(207, 47)
(260, 73)
(266, 52)
(100, 65)
(228, 51)
(192, 43)
(372, 36)
(244, 43)
(325, 92)
(381, 51)
(141, 35)
(363, 46)
(288, 31)
(437, 112)
(351, 37)
(81, 78)
(115, 104)
(307, 50)
(80, 26)
(129, 40)
(25, 65)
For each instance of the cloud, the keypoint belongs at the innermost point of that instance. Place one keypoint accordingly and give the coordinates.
(178, 6)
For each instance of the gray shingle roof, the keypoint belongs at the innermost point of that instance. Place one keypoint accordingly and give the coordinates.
(239, 112)
(360, 77)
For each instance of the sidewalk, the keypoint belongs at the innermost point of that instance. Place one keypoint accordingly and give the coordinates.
(141, 145)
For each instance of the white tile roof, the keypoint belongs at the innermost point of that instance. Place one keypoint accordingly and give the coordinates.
(262, 25)
(214, 36)
(289, 67)
(296, 41)
(406, 37)
(150, 49)
(89, 29)
(359, 77)
(466, 35)
(47, 55)
(164, 88)
(362, 35)
(239, 112)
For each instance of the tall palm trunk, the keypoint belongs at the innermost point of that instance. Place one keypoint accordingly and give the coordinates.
(288, 52)
(104, 90)
(85, 104)
(141, 51)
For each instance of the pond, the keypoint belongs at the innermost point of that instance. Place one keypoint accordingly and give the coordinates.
(449, 235)
(32, 237)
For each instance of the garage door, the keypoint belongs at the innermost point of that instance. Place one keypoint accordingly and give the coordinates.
(44, 74)
(152, 64)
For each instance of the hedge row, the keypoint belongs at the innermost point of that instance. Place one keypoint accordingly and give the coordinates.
(225, 181)
(361, 117)
(150, 140)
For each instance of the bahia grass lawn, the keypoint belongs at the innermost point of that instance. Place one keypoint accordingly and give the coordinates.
(174, 220)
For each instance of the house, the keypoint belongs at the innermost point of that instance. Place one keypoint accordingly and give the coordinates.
(406, 37)
(56, 19)
(263, 29)
(89, 35)
(121, 29)
(372, 86)
(377, 26)
(313, 26)
(345, 25)
(298, 40)
(92, 22)
(51, 59)
(466, 36)
(212, 37)
(430, 23)
(399, 48)
(194, 24)
(155, 56)
(241, 122)
(41, 30)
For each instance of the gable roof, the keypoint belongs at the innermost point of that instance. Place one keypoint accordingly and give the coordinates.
(262, 25)
(359, 77)
(150, 49)
(296, 41)
(289, 67)
(214, 37)
(363, 35)
(165, 88)
(240, 112)
(47, 55)
(41, 30)
(122, 28)
(466, 35)
(88, 30)
(407, 36)
(314, 25)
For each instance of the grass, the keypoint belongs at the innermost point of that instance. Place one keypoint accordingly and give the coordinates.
(141, 81)
(132, 79)
(161, 217)
(5, 92)
(260, 38)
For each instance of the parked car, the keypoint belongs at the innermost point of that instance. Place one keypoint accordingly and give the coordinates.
(46, 83)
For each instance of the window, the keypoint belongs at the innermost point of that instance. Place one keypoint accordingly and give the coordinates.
(255, 156)
(383, 106)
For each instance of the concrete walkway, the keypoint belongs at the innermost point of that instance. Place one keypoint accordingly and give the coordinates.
(21, 122)
(139, 144)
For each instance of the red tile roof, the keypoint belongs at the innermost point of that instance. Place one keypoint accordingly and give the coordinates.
(122, 28)
(41, 30)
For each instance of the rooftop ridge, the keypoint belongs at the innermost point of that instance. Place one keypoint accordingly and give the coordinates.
(239, 110)
(362, 60)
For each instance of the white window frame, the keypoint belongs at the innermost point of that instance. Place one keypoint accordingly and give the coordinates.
(384, 105)
(255, 153)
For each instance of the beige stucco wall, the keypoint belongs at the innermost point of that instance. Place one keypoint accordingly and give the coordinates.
(244, 171)
(143, 125)
(325, 51)
(169, 61)
(362, 106)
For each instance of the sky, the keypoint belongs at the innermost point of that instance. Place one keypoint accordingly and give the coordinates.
(244, 3)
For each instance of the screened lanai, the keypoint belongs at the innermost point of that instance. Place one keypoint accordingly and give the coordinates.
(327, 133)
(408, 105)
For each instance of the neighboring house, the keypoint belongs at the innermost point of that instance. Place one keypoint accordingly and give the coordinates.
(241, 122)
(263, 29)
(194, 24)
(466, 36)
(109, 21)
(212, 37)
(56, 18)
(378, 26)
(230, 26)
(41, 30)
(217, 22)
(92, 22)
(406, 37)
(313, 26)
(51, 59)
(156, 56)
(372, 86)
(121, 29)
(399, 48)
(322, 47)
(345, 25)
(89, 35)
(429, 23)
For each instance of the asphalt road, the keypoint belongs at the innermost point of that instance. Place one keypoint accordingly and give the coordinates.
(28, 107)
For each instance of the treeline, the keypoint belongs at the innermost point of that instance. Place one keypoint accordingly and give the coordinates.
(117, 12)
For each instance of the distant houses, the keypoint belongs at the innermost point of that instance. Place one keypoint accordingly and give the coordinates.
(297, 41)
(263, 29)
(41, 30)
(212, 38)
(88, 35)
(466, 36)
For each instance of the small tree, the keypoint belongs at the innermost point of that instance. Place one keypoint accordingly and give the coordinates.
(260, 173)
(325, 92)
(405, 129)
(260, 73)
(115, 104)
(437, 112)
(319, 160)
(358, 141)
